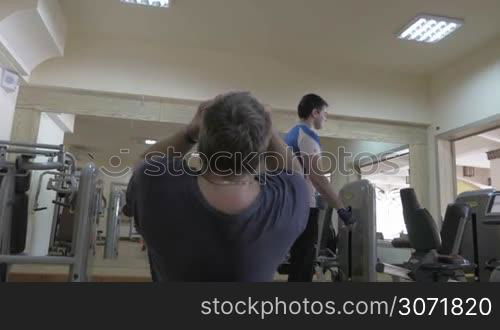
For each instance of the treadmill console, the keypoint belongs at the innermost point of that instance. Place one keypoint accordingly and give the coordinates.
(493, 209)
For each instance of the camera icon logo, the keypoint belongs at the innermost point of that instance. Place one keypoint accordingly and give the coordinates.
(115, 162)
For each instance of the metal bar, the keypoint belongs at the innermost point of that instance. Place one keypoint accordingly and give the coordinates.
(53, 227)
(4, 270)
(84, 217)
(6, 164)
(113, 225)
(7, 192)
(492, 222)
(72, 159)
(26, 151)
(394, 271)
(27, 145)
(32, 260)
(357, 246)
(41, 166)
(3, 154)
(39, 187)
(477, 271)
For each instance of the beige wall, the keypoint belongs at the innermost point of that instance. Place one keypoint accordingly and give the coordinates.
(193, 74)
(495, 173)
(481, 175)
(467, 91)
(461, 94)
(7, 109)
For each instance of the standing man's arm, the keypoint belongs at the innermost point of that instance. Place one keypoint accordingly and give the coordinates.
(285, 159)
(320, 182)
(311, 155)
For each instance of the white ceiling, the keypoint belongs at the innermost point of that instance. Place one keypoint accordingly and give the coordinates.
(472, 151)
(324, 33)
(5, 62)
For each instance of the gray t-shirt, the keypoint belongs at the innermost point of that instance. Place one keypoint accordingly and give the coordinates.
(189, 240)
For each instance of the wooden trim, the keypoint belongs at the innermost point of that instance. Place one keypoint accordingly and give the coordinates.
(181, 111)
(419, 172)
(446, 174)
(478, 127)
(446, 184)
(62, 278)
(492, 155)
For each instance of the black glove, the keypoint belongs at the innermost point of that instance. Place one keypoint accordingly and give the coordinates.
(346, 216)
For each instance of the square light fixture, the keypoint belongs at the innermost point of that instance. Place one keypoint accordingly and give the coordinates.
(430, 28)
(150, 142)
(9, 80)
(149, 3)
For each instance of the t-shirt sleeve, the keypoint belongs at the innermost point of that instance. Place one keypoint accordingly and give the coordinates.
(297, 199)
(309, 146)
(156, 171)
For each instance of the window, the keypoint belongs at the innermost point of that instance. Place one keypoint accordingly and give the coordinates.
(389, 174)
(469, 172)
(473, 156)
(494, 207)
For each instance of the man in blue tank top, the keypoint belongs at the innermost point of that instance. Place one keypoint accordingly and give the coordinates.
(306, 144)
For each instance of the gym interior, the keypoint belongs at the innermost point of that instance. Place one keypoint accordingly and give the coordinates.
(88, 86)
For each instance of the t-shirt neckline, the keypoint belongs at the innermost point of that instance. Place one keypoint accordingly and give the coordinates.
(249, 211)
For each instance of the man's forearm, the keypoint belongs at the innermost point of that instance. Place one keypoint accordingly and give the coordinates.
(179, 143)
(324, 187)
(285, 158)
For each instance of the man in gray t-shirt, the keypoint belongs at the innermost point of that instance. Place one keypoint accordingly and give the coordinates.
(224, 222)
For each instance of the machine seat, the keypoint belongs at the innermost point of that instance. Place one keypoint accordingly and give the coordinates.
(401, 243)
(452, 260)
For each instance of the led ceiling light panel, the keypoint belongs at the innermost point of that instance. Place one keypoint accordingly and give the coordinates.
(149, 3)
(430, 28)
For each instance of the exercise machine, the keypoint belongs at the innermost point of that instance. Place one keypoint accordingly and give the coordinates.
(78, 192)
(482, 234)
(116, 203)
(436, 253)
(326, 248)
(357, 246)
(65, 184)
(349, 255)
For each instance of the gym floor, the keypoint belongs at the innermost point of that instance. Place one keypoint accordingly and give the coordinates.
(131, 266)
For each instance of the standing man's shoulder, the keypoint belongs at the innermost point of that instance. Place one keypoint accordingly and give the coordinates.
(310, 133)
(308, 141)
(292, 135)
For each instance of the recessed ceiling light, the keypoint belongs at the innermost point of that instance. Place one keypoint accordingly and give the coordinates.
(150, 142)
(149, 3)
(430, 28)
